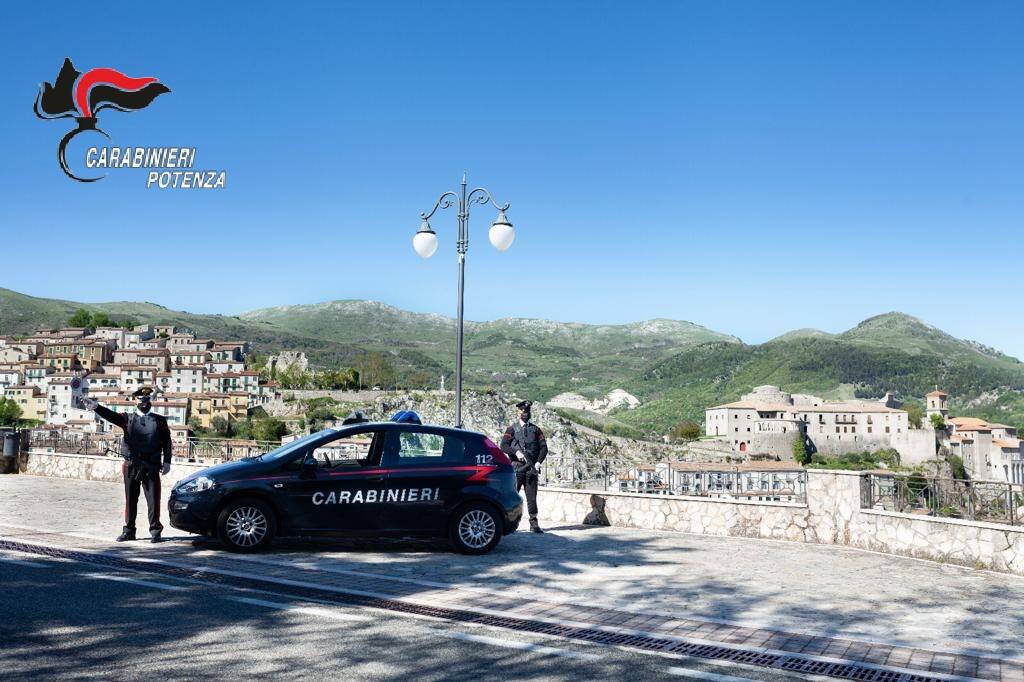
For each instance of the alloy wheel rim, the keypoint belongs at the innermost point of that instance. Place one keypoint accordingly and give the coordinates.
(246, 526)
(476, 529)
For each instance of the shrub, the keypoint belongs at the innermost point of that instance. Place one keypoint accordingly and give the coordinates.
(686, 430)
(800, 452)
(956, 464)
(915, 413)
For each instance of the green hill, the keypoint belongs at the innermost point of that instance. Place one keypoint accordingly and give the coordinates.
(676, 368)
(535, 357)
(892, 352)
(805, 333)
(911, 335)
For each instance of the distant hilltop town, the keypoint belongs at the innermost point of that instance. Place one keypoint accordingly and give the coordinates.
(766, 421)
(196, 380)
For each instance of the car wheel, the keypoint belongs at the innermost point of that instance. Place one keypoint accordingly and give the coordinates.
(246, 525)
(475, 529)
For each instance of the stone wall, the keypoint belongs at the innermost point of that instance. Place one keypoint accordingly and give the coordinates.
(914, 445)
(93, 468)
(831, 516)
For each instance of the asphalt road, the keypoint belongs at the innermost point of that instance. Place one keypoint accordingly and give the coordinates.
(64, 619)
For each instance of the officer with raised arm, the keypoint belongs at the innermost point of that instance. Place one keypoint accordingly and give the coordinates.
(524, 443)
(147, 453)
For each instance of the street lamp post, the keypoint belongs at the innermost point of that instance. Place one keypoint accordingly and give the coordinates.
(424, 242)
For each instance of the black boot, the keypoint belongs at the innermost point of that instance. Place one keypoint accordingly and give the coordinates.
(155, 537)
(534, 526)
(126, 535)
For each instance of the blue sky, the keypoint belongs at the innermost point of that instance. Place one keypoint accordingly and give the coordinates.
(753, 167)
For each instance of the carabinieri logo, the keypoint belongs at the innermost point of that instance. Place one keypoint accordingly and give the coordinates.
(83, 95)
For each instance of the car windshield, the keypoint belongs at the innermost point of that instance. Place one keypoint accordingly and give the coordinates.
(292, 447)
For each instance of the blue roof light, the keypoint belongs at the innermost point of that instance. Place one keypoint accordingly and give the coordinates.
(406, 417)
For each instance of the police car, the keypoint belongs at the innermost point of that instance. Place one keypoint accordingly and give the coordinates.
(370, 479)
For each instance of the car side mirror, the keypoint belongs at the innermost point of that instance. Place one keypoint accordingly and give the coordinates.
(308, 468)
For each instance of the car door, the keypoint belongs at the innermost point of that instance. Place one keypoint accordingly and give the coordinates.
(426, 471)
(339, 493)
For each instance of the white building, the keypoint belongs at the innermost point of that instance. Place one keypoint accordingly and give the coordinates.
(9, 377)
(990, 451)
(767, 420)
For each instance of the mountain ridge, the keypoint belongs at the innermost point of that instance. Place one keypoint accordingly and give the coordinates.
(676, 367)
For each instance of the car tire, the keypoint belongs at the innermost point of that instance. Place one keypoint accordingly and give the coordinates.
(246, 525)
(475, 529)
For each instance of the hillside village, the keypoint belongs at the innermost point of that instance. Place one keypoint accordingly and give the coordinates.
(750, 441)
(197, 381)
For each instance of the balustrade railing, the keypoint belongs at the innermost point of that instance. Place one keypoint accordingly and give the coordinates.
(198, 450)
(991, 501)
(723, 481)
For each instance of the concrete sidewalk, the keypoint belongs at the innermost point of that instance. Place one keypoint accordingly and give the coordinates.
(711, 587)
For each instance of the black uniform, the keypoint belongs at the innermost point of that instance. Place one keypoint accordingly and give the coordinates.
(147, 440)
(529, 439)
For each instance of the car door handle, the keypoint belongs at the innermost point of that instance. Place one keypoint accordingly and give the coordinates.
(375, 478)
(279, 485)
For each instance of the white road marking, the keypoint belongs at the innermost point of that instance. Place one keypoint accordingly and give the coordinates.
(21, 562)
(135, 581)
(710, 677)
(307, 610)
(463, 636)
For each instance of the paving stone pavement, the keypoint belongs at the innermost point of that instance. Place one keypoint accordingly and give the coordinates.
(813, 600)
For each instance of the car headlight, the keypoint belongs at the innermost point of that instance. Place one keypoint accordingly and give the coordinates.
(195, 485)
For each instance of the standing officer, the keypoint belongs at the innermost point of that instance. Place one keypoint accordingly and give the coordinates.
(524, 443)
(147, 441)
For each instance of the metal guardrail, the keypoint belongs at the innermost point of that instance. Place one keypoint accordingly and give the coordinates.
(663, 478)
(990, 501)
(200, 450)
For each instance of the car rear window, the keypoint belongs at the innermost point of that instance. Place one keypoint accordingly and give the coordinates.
(418, 447)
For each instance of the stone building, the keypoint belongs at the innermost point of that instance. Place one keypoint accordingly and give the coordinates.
(990, 451)
(766, 421)
(935, 403)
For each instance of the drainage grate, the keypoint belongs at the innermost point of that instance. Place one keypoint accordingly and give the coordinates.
(848, 671)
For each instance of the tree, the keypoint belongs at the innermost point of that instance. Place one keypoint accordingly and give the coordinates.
(938, 423)
(10, 412)
(800, 452)
(686, 430)
(221, 426)
(81, 318)
(420, 379)
(295, 378)
(914, 414)
(267, 429)
(100, 320)
(375, 370)
(956, 465)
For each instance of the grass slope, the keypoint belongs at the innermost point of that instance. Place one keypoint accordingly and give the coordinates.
(910, 362)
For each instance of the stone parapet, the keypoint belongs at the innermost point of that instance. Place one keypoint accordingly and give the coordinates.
(832, 516)
(93, 467)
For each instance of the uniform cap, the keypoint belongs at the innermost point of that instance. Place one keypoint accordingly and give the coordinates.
(144, 393)
(524, 404)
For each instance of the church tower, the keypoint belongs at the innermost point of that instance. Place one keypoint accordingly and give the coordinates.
(935, 403)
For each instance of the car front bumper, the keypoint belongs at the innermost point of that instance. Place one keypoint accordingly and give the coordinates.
(193, 512)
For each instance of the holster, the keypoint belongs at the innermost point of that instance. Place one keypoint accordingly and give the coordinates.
(525, 469)
(141, 471)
